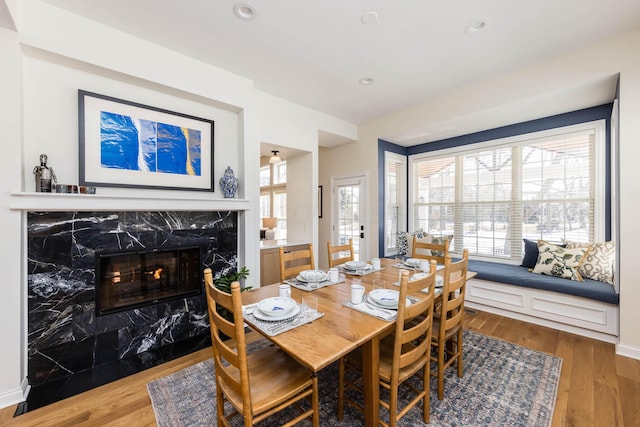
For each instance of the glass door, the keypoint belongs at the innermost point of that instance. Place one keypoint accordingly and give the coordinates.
(349, 214)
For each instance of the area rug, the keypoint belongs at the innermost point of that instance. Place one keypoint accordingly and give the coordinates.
(503, 384)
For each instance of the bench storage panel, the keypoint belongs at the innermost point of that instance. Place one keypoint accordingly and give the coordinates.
(593, 314)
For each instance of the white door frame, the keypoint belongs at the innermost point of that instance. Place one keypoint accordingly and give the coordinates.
(363, 178)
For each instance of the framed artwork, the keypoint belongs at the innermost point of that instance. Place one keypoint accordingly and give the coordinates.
(319, 201)
(126, 144)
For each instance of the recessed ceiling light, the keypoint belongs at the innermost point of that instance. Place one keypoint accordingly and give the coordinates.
(476, 26)
(244, 11)
(369, 17)
(366, 81)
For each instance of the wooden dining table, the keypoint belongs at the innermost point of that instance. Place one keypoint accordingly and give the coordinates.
(339, 331)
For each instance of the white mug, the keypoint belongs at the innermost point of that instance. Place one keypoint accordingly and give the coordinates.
(357, 294)
(284, 291)
(333, 274)
(425, 266)
(376, 263)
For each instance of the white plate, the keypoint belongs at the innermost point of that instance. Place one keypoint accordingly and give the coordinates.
(386, 307)
(414, 262)
(355, 265)
(293, 313)
(312, 276)
(276, 306)
(385, 297)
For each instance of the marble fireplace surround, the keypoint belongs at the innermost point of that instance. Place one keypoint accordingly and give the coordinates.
(66, 342)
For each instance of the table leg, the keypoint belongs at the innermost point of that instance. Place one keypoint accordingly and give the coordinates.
(371, 378)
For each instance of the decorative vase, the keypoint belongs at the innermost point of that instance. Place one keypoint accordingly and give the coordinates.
(229, 183)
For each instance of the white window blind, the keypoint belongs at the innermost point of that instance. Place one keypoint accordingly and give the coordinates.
(395, 172)
(491, 195)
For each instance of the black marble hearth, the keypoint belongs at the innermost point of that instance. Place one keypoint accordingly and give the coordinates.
(70, 349)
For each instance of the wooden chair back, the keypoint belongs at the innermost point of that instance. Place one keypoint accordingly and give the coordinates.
(403, 354)
(232, 372)
(344, 253)
(295, 261)
(449, 315)
(259, 384)
(430, 251)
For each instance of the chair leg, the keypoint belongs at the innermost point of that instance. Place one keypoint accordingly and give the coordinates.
(441, 346)
(220, 403)
(459, 349)
(315, 404)
(393, 405)
(340, 413)
(426, 400)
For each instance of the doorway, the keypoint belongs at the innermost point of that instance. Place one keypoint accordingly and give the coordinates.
(349, 214)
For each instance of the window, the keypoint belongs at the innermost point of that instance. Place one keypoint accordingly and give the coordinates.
(273, 195)
(547, 185)
(395, 172)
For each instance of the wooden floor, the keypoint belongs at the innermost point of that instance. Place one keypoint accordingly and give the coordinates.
(597, 388)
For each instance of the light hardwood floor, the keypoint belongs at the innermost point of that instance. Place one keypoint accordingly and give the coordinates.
(597, 388)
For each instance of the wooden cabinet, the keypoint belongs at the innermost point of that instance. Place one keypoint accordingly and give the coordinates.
(270, 262)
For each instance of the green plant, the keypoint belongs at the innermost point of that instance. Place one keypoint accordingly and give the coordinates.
(224, 284)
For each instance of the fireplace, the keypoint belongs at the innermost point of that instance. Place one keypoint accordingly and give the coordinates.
(73, 345)
(133, 279)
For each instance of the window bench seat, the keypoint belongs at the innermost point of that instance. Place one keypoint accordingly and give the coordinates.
(588, 308)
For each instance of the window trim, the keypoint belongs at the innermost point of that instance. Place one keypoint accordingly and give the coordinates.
(600, 144)
(401, 196)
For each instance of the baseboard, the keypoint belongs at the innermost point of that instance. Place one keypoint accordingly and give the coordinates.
(15, 396)
(628, 351)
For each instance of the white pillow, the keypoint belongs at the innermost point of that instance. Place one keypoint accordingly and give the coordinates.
(599, 262)
(557, 261)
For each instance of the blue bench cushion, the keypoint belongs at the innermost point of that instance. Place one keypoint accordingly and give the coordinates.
(520, 276)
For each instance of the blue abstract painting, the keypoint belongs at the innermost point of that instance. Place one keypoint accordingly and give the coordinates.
(143, 145)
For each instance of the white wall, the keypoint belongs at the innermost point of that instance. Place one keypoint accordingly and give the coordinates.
(62, 53)
(579, 68)
(11, 303)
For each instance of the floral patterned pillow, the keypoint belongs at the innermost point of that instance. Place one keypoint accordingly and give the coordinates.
(403, 241)
(599, 262)
(557, 261)
(440, 241)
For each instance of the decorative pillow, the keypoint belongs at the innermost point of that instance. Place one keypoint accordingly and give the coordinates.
(530, 257)
(440, 241)
(405, 239)
(554, 260)
(599, 262)
(425, 239)
(530, 253)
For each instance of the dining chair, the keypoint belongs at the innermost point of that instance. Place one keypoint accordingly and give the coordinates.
(259, 384)
(295, 260)
(430, 251)
(344, 253)
(403, 354)
(447, 327)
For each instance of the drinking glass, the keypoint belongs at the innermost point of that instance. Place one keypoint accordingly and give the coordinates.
(309, 307)
(379, 284)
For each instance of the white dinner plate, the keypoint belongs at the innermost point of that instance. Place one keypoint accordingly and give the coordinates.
(414, 262)
(276, 306)
(385, 297)
(293, 313)
(355, 265)
(386, 307)
(312, 276)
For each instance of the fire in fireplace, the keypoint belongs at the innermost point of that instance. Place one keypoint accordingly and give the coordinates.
(126, 280)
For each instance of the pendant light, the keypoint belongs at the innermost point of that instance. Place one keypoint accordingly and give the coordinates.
(275, 158)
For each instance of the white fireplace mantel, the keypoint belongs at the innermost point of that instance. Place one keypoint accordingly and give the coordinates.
(58, 202)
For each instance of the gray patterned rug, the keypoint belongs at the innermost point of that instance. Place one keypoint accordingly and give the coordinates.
(503, 385)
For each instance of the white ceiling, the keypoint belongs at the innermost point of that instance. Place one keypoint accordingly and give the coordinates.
(314, 53)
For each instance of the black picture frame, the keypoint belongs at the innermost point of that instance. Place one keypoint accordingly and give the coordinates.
(173, 151)
(319, 201)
